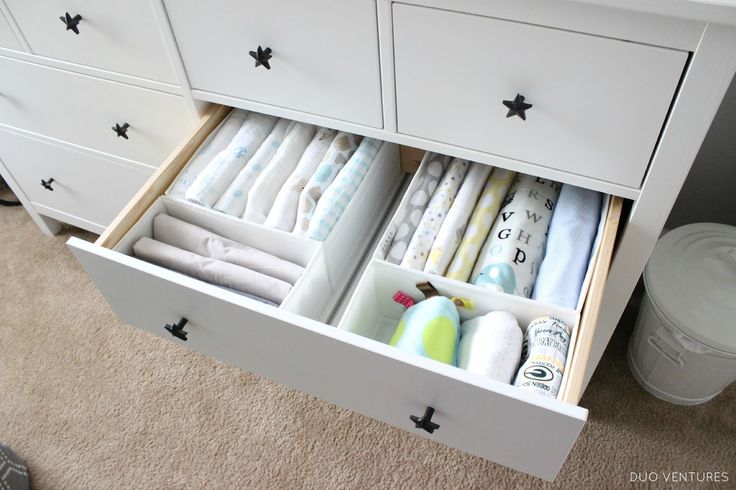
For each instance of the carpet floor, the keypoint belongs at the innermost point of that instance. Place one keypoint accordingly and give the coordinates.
(91, 403)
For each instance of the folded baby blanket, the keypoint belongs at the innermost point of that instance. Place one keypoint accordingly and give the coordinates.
(433, 216)
(340, 151)
(234, 198)
(212, 270)
(511, 256)
(192, 238)
(220, 172)
(569, 243)
(480, 224)
(338, 195)
(218, 142)
(490, 345)
(424, 184)
(283, 213)
(453, 227)
(272, 178)
(430, 328)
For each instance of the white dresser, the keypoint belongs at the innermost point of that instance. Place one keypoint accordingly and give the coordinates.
(622, 95)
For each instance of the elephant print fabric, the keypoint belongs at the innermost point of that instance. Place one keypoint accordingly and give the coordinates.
(510, 259)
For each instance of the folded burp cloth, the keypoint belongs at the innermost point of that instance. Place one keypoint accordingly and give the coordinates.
(192, 238)
(569, 243)
(453, 227)
(272, 178)
(480, 224)
(430, 328)
(543, 357)
(283, 213)
(220, 172)
(490, 345)
(212, 270)
(235, 197)
(424, 184)
(339, 153)
(219, 141)
(511, 256)
(439, 205)
(339, 194)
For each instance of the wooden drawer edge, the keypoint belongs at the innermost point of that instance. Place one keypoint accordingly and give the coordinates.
(589, 317)
(162, 178)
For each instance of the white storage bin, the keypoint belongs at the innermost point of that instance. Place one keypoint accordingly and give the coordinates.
(683, 349)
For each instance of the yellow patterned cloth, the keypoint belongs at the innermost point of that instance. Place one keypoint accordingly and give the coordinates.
(480, 224)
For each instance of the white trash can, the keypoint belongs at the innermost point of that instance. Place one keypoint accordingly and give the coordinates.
(683, 349)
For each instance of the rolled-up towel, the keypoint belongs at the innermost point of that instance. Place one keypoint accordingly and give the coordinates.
(490, 345)
(218, 142)
(192, 238)
(212, 270)
(339, 194)
(543, 358)
(433, 216)
(233, 200)
(430, 328)
(569, 243)
(511, 256)
(425, 182)
(282, 215)
(220, 172)
(340, 151)
(272, 178)
(453, 227)
(480, 224)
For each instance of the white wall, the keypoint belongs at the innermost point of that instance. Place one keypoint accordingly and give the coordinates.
(709, 193)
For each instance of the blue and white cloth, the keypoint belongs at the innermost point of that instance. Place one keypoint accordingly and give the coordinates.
(569, 244)
(220, 172)
(338, 195)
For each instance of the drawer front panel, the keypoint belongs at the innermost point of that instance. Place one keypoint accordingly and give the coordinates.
(7, 38)
(598, 104)
(324, 53)
(82, 110)
(89, 188)
(116, 36)
(494, 421)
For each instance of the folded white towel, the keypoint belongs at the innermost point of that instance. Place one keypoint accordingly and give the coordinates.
(272, 178)
(220, 172)
(490, 345)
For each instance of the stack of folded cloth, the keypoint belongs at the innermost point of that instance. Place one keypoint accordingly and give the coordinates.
(508, 232)
(199, 253)
(283, 174)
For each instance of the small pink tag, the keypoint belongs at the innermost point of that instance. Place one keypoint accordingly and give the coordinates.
(403, 299)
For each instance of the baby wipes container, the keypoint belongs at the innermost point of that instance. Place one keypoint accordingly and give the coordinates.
(683, 349)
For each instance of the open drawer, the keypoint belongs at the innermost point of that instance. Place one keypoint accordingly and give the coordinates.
(484, 417)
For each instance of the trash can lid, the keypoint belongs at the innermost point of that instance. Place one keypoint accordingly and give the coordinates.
(691, 278)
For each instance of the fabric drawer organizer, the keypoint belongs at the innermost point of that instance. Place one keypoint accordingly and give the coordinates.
(328, 264)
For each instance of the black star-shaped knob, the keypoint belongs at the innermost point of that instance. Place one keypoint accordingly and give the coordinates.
(121, 131)
(517, 107)
(425, 422)
(71, 22)
(262, 56)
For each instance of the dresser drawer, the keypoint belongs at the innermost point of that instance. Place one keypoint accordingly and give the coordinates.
(598, 104)
(496, 421)
(7, 38)
(324, 53)
(117, 36)
(85, 187)
(83, 110)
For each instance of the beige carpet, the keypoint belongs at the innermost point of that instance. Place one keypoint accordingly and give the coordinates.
(91, 404)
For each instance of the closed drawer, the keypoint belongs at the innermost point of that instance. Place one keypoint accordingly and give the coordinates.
(493, 420)
(7, 38)
(324, 53)
(83, 110)
(92, 189)
(598, 104)
(118, 36)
